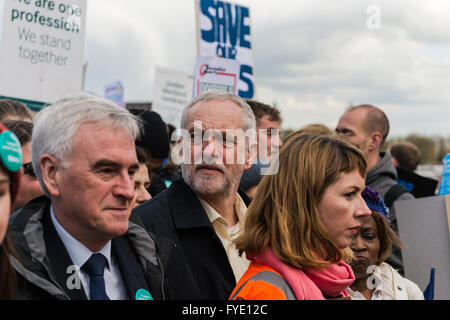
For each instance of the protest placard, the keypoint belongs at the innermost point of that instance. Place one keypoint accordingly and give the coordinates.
(215, 73)
(41, 55)
(172, 91)
(224, 30)
(424, 228)
(114, 92)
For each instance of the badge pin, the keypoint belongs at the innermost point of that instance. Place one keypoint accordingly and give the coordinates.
(143, 294)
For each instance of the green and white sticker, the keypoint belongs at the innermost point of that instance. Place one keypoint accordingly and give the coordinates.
(10, 151)
(143, 294)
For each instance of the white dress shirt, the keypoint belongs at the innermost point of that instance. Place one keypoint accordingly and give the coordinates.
(79, 254)
(227, 235)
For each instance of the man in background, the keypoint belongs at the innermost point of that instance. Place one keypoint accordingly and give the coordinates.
(368, 127)
(406, 158)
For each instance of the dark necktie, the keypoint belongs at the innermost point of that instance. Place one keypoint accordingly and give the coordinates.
(95, 267)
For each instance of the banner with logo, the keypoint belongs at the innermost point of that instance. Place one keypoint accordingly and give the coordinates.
(42, 49)
(216, 73)
(224, 30)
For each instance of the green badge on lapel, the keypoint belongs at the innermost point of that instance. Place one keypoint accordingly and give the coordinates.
(143, 294)
(10, 151)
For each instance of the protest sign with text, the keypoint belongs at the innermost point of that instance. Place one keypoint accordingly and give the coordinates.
(215, 73)
(41, 55)
(224, 31)
(172, 91)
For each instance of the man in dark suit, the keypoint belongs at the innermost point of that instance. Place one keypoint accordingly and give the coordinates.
(203, 212)
(78, 242)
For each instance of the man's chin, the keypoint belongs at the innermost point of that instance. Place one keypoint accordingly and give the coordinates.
(118, 230)
(208, 187)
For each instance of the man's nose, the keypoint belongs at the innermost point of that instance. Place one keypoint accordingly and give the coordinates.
(124, 187)
(210, 149)
(280, 143)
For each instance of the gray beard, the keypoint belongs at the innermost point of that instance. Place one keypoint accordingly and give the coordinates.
(207, 186)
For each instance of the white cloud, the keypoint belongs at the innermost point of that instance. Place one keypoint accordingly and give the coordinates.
(313, 57)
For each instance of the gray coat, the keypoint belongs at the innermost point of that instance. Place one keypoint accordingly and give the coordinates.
(41, 258)
(381, 178)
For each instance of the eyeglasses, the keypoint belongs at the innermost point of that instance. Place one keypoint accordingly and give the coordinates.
(28, 169)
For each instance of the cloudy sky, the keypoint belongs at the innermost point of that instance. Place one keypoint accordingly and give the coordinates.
(312, 57)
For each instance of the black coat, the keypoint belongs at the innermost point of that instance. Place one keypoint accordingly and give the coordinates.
(42, 261)
(199, 266)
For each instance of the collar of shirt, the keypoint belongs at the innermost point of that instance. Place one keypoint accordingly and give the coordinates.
(213, 215)
(377, 292)
(356, 295)
(77, 251)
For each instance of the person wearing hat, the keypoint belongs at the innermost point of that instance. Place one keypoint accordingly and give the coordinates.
(10, 163)
(155, 141)
(375, 279)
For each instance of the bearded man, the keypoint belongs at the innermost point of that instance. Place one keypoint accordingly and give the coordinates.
(202, 212)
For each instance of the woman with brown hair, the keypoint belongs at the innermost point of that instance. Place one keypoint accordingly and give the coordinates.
(300, 224)
(10, 164)
(372, 245)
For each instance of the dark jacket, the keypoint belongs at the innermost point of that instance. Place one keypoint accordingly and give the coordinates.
(381, 178)
(44, 265)
(199, 267)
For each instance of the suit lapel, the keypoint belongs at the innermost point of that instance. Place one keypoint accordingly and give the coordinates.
(59, 260)
(132, 273)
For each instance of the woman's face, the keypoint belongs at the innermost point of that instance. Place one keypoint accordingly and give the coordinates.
(342, 207)
(366, 247)
(5, 203)
(141, 183)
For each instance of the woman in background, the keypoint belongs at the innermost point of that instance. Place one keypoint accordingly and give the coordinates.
(375, 279)
(10, 164)
(141, 179)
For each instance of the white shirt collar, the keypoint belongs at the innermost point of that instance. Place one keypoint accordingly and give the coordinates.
(77, 251)
(239, 207)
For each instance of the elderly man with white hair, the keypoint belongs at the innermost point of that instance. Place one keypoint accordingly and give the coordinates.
(78, 242)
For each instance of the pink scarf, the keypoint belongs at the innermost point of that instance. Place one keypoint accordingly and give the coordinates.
(310, 284)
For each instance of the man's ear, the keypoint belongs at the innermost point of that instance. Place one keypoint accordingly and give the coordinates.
(179, 144)
(251, 155)
(50, 174)
(375, 141)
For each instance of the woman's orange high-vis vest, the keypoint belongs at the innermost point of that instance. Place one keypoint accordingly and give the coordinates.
(261, 282)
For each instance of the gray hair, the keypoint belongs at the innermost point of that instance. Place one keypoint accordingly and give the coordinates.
(249, 117)
(56, 125)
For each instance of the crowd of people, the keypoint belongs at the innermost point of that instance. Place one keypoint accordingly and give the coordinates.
(102, 203)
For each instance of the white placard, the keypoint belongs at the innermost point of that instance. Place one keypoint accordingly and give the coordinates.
(216, 73)
(423, 225)
(172, 91)
(224, 30)
(42, 49)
